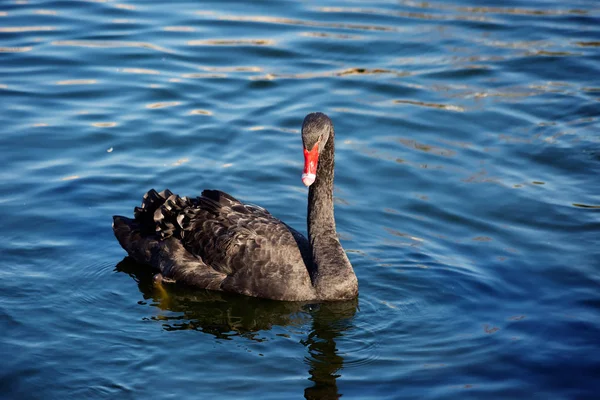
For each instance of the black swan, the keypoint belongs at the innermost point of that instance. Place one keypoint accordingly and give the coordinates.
(216, 242)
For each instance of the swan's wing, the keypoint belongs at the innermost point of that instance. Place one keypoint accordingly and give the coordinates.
(225, 233)
(230, 236)
(217, 242)
(261, 256)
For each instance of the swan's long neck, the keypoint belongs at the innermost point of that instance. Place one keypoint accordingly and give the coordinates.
(334, 277)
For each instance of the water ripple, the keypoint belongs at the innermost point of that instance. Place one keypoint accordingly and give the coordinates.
(448, 107)
(179, 28)
(46, 12)
(467, 164)
(142, 71)
(289, 21)
(403, 14)
(19, 29)
(327, 74)
(15, 49)
(163, 104)
(78, 82)
(231, 42)
(495, 10)
(109, 44)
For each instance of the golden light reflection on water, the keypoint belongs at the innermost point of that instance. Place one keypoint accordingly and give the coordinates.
(440, 151)
(588, 44)
(140, 71)
(15, 49)
(3, 13)
(219, 72)
(520, 11)
(327, 74)
(491, 10)
(448, 107)
(231, 69)
(125, 6)
(274, 128)
(104, 124)
(179, 28)
(78, 82)
(18, 29)
(231, 42)
(402, 14)
(109, 44)
(517, 94)
(201, 112)
(331, 35)
(45, 12)
(204, 13)
(289, 21)
(546, 53)
(482, 176)
(544, 48)
(507, 94)
(163, 104)
(388, 156)
(200, 75)
(403, 235)
(180, 161)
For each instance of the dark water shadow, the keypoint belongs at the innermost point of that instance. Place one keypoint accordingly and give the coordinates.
(226, 316)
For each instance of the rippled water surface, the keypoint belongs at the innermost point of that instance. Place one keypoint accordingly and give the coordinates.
(467, 195)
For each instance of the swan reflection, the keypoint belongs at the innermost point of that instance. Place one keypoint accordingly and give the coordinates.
(226, 315)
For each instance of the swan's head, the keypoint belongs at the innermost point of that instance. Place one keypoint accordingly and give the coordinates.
(316, 130)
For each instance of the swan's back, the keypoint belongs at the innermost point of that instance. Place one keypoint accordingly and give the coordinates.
(244, 246)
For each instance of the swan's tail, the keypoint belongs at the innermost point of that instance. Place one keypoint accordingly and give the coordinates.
(160, 216)
(132, 240)
(139, 236)
(167, 256)
(144, 215)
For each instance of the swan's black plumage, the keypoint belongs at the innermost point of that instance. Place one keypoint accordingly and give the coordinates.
(217, 242)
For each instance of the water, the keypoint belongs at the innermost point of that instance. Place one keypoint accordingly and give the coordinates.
(467, 198)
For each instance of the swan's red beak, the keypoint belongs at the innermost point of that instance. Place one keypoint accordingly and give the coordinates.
(311, 159)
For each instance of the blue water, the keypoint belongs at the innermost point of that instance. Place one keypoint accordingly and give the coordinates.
(467, 195)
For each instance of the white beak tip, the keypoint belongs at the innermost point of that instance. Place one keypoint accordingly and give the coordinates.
(308, 179)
